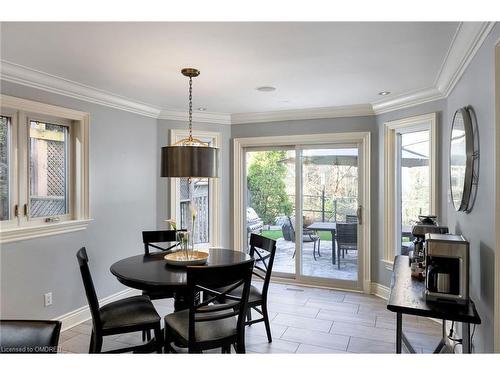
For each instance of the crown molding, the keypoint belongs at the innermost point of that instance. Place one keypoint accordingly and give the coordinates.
(303, 114)
(198, 116)
(407, 100)
(466, 42)
(25, 76)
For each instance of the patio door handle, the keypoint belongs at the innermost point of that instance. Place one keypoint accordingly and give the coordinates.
(359, 214)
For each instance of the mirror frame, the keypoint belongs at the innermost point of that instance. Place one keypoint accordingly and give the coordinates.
(469, 162)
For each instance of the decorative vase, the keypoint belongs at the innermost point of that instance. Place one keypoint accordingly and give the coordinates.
(185, 244)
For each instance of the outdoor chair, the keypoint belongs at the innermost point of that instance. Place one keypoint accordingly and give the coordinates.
(347, 238)
(307, 236)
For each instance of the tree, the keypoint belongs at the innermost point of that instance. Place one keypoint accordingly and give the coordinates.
(266, 185)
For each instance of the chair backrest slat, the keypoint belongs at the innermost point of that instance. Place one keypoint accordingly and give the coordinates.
(88, 284)
(222, 280)
(268, 245)
(151, 237)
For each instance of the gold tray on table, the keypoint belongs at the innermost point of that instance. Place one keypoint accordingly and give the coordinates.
(179, 258)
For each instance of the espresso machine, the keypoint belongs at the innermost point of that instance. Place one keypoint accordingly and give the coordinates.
(446, 268)
(426, 224)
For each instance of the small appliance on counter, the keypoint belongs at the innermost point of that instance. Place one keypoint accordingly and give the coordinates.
(446, 268)
(426, 224)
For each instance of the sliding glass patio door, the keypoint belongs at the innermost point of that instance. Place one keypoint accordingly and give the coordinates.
(306, 197)
(329, 186)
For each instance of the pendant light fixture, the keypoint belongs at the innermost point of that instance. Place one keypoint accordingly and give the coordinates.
(190, 157)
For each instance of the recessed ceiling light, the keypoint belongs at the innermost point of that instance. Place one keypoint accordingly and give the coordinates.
(384, 93)
(266, 88)
(202, 109)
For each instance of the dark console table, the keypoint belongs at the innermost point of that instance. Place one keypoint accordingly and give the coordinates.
(407, 297)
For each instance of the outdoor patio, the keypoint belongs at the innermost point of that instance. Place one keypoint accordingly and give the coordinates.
(321, 267)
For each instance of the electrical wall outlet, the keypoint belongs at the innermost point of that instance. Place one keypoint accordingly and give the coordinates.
(48, 299)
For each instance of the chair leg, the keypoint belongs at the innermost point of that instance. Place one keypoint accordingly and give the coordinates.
(314, 250)
(240, 345)
(97, 344)
(158, 339)
(91, 346)
(249, 315)
(319, 245)
(266, 322)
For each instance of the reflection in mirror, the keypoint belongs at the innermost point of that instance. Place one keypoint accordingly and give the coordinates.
(458, 156)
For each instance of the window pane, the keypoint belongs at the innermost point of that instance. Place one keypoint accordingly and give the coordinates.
(4, 168)
(48, 176)
(415, 179)
(197, 193)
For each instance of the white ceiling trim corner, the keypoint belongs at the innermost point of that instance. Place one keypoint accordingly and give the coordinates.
(466, 42)
(407, 100)
(303, 114)
(23, 75)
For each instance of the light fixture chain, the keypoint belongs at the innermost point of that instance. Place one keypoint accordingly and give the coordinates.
(190, 109)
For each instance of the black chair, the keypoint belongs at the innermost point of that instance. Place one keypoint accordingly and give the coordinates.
(29, 336)
(133, 314)
(308, 235)
(351, 219)
(218, 321)
(262, 270)
(347, 238)
(151, 239)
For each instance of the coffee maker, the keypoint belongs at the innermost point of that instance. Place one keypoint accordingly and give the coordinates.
(426, 224)
(447, 268)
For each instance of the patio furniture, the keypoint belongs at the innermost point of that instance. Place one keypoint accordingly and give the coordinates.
(29, 336)
(347, 238)
(325, 227)
(351, 219)
(308, 235)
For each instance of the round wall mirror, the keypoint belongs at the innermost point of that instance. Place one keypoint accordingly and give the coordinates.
(461, 159)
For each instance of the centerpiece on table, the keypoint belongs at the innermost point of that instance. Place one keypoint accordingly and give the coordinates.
(185, 255)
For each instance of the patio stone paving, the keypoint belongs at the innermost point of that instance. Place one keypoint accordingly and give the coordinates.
(321, 267)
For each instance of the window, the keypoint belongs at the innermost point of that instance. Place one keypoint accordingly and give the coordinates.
(410, 179)
(202, 194)
(44, 165)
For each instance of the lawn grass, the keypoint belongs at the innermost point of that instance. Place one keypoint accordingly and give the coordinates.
(275, 234)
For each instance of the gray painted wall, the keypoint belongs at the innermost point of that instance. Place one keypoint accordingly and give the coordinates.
(321, 126)
(163, 191)
(123, 155)
(477, 88)
(439, 106)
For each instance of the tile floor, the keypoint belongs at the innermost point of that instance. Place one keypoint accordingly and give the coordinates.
(303, 320)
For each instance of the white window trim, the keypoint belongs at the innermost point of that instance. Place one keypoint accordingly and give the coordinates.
(79, 186)
(239, 204)
(214, 185)
(390, 129)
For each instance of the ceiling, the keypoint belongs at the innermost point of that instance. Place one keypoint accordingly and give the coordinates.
(312, 65)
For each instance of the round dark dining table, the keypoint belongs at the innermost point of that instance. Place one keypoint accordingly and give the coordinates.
(152, 273)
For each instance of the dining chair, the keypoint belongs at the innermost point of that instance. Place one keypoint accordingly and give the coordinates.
(347, 238)
(217, 321)
(133, 314)
(29, 336)
(263, 269)
(152, 239)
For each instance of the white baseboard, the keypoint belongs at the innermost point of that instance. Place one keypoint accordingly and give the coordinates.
(380, 291)
(80, 315)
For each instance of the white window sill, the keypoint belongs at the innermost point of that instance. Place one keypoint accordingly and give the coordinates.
(389, 264)
(29, 232)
